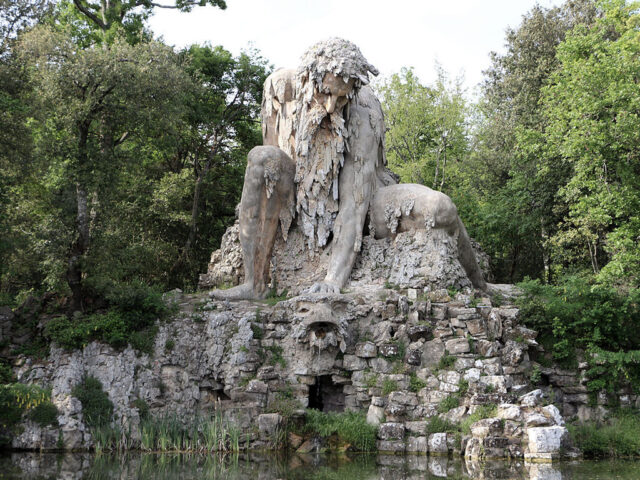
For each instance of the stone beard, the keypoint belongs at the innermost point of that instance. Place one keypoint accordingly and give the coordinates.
(320, 148)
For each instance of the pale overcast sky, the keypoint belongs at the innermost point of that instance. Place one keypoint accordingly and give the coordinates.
(459, 34)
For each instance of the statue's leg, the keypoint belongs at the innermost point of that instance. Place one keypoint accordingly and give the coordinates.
(268, 188)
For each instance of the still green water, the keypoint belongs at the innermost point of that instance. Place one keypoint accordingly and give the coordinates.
(295, 467)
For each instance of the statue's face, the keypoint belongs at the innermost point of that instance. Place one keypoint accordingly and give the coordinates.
(333, 92)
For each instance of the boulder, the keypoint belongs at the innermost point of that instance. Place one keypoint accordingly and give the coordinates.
(391, 431)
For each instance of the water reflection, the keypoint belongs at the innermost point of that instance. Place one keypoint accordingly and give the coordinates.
(295, 467)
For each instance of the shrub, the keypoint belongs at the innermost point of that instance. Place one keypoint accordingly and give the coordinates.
(283, 404)
(482, 412)
(619, 436)
(438, 424)
(350, 427)
(17, 399)
(97, 409)
(134, 308)
(44, 414)
(579, 314)
(143, 408)
(6, 373)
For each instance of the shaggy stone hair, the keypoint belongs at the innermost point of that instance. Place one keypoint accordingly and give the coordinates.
(337, 56)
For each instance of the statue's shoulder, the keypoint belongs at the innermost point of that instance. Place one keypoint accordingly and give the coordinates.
(366, 98)
(281, 85)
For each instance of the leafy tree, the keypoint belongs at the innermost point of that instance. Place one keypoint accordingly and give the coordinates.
(222, 127)
(593, 108)
(515, 180)
(90, 102)
(427, 127)
(109, 16)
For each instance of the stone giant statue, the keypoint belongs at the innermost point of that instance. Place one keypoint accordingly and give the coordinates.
(323, 165)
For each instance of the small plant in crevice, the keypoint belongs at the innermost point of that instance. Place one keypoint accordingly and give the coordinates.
(415, 383)
(389, 386)
(446, 361)
(535, 376)
(449, 403)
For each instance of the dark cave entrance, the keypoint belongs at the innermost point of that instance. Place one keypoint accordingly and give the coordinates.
(325, 395)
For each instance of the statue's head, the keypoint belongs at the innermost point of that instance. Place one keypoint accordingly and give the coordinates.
(331, 71)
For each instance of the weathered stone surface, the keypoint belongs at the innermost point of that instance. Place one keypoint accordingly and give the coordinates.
(389, 349)
(432, 352)
(417, 332)
(391, 431)
(485, 427)
(532, 399)
(536, 420)
(438, 443)
(352, 362)
(418, 428)
(366, 350)
(546, 440)
(455, 414)
(268, 425)
(456, 346)
(508, 411)
(375, 415)
(552, 412)
(417, 445)
(391, 446)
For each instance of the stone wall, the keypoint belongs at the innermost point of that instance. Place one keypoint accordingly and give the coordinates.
(399, 356)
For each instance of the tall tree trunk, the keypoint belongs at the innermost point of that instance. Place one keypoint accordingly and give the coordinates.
(81, 241)
(182, 260)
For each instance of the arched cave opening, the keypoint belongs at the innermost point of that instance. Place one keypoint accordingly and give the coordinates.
(325, 395)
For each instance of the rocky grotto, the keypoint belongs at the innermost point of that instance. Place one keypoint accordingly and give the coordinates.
(376, 302)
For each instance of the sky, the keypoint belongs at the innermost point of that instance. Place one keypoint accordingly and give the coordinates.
(392, 34)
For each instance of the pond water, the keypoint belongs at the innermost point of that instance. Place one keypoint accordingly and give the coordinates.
(295, 467)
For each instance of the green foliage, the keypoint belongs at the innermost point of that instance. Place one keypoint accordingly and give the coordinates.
(273, 298)
(619, 436)
(6, 372)
(284, 404)
(438, 424)
(388, 386)
(169, 344)
(258, 332)
(350, 427)
(135, 308)
(44, 414)
(446, 361)
(428, 133)
(371, 380)
(97, 409)
(581, 314)
(275, 357)
(535, 375)
(481, 412)
(449, 403)
(463, 387)
(415, 384)
(18, 399)
(143, 408)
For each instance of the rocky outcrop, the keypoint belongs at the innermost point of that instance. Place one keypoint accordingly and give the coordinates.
(415, 259)
(403, 357)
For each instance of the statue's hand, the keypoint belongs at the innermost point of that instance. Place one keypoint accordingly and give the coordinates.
(323, 287)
